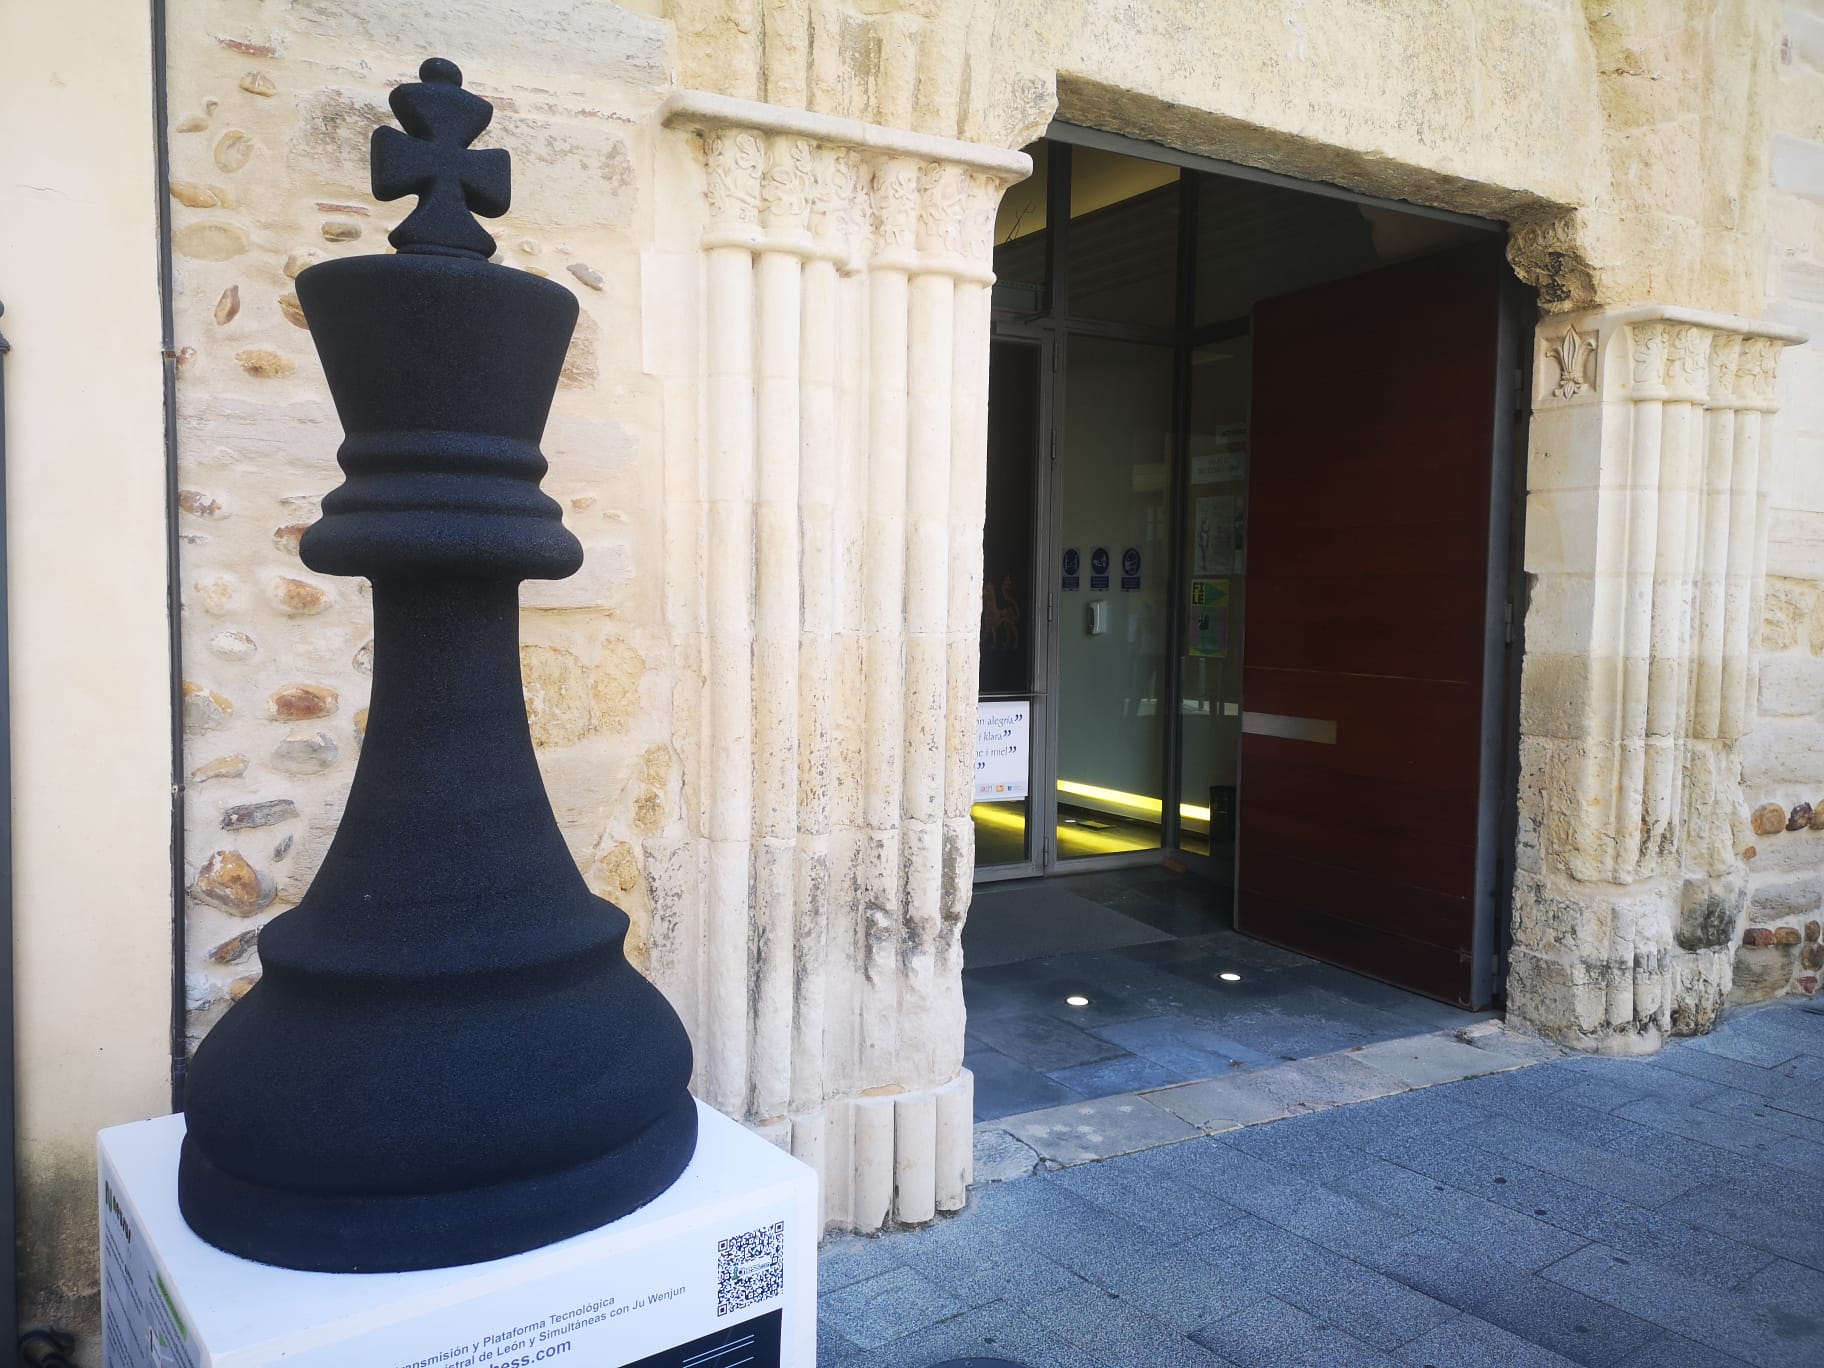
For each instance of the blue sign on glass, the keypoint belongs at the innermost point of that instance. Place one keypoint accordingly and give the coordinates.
(1130, 569)
(1073, 562)
(1098, 568)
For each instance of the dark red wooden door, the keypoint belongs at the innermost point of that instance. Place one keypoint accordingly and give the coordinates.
(1371, 443)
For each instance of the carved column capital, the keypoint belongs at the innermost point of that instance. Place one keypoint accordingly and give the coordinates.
(814, 185)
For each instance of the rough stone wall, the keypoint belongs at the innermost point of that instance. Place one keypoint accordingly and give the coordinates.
(1783, 758)
(1581, 129)
(271, 105)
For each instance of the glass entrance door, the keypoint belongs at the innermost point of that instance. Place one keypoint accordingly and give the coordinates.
(1114, 472)
(1011, 713)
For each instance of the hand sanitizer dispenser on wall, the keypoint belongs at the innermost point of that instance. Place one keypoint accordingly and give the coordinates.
(1097, 621)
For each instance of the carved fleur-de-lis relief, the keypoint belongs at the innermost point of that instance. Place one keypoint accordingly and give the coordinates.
(981, 198)
(736, 160)
(1725, 369)
(895, 204)
(833, 194)
(1573, 353)
(1756, 371)
(1688, 360)
(1649, 354)
(785, 188)
(940, 199)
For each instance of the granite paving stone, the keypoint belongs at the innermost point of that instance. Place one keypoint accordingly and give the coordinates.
(1520, 1239)
(1748, 1047)
(1378, 1310)
(1044, 1043)
(1742, 1132)
(1086, 1239)
(1721, 1070)
(1002, 1329)
(1194, 1050)
(1170, 1210)
(871, 1312)
(1765, 1328)
(1218, 1104)
(1420, 1061)
(846, 1259)
(1729, 1102)
(1091, 1318)
(1539, 1311)
(1271, 1332)
(1084, 1131)
(1745, 1209)
(1006, 1087)
(1659, 1236)
(1130, 1073)
(1693, 1160)
(977, 1264)
(1587, 1165)
(1675, 1351)
(1001, 1155)
(1184, 1290)
(832, 1345)
(1470, 1342)
(1607, 1212)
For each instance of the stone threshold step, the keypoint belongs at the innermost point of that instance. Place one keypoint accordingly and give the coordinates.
(1084, 1132)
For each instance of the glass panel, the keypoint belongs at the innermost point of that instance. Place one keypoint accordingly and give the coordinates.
(1215, 572)
(1257, 241)
(1123, 242)
(1022, 252)
(1114, 462)
(1007, 667)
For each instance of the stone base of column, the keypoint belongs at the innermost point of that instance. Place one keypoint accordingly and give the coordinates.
(1617, 970)
(897, 1159)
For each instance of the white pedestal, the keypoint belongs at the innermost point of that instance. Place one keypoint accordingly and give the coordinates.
(725, 1259)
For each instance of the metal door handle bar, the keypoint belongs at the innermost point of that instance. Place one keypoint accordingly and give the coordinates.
(1286, 728)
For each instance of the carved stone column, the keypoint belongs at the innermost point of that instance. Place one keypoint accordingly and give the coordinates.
(1647, 518)
(824, 353)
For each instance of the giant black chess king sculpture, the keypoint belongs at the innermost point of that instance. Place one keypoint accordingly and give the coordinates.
(448, 1058)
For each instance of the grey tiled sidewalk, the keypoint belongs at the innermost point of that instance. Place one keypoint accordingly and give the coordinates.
(1583, 1210)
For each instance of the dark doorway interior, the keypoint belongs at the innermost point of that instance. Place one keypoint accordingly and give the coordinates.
(1207, 576)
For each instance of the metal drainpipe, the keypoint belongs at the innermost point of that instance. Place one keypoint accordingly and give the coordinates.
(161, 97)
(9, 1117)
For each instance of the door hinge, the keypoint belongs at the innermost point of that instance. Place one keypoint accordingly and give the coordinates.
(1050, 605)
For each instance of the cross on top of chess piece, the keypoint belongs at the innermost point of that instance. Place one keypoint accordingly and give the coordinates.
(432, 159)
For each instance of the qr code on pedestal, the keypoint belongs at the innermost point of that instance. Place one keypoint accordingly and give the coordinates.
(750, 1268)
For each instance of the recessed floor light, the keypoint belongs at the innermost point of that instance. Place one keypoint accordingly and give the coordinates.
(1230, 978)
(1076, 1000)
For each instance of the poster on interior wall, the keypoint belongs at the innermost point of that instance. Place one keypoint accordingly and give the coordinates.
(1219, 467)
(1002, 738)
(1209, 626)
(1213, 535)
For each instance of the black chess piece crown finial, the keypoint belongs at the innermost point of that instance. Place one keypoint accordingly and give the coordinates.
(432, 159)
(447, 1057)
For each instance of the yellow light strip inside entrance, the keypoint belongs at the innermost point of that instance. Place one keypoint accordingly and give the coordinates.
(1130, 804)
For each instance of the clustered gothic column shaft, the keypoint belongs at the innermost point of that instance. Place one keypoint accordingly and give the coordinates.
(826, 466)
(1647, 520)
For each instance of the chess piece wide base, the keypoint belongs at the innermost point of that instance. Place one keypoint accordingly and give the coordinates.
(402, 1233)
(725, 1256)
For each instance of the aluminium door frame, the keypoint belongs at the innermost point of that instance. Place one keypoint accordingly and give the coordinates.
(1052, 328)
(1041, 792)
